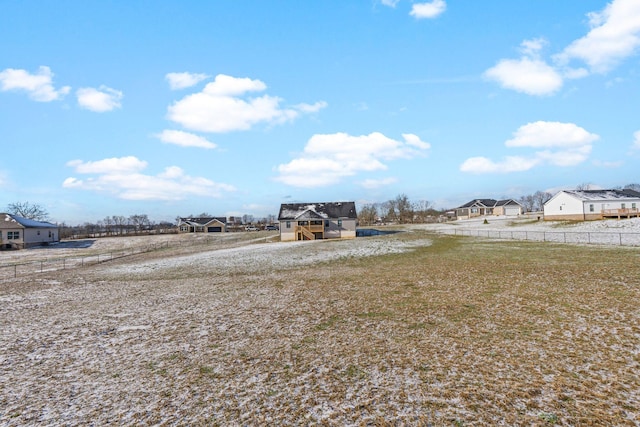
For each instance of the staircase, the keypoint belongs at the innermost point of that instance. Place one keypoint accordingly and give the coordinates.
(306, 233)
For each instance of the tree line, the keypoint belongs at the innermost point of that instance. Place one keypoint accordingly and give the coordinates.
(399, 210)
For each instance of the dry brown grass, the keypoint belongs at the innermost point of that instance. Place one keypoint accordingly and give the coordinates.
(461, 332)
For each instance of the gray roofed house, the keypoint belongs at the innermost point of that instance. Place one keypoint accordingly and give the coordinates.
(310, 221)
(586, 205)
(17, 232)
(203, 225)
(487, 207)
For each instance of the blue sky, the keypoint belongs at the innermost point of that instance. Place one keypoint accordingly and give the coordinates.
(173, 108)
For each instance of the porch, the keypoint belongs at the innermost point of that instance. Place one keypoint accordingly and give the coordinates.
(621, 213)
(309, 230)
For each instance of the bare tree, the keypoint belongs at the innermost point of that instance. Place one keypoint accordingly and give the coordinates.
(405, 209)
(389, 209)
(540, 198)
(108, 225)
(528, 202)
(584, 186)
(28, 210)
(634, 187)
(422, 210)
(139, 222)
(119, 222)
(367, 214)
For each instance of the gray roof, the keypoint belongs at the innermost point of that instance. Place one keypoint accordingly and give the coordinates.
(324, 210)
(596, 195)
(203, 220)
(25, 222)
(488, 203)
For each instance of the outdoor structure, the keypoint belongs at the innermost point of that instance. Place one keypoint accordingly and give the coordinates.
(18, 233)
(589, 205)
(310, 221)
(488, 207)
(203, 225)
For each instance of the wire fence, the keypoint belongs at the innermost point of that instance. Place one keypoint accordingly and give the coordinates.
(67, 263)
(19, 269)
(574, 237)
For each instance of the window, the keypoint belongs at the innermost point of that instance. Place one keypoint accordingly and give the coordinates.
(623, 205)
(633, 205)
(13, 235)
(339, 223)
(326, 224)
(591, 209)
(560, 207)
(38, 232)
(288, 224)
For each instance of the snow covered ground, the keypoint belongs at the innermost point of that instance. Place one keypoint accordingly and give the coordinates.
(235, 329)
(625, 232)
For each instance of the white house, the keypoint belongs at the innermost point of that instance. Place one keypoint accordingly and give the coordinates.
(588, 205)
(17, 232)
(310, 221)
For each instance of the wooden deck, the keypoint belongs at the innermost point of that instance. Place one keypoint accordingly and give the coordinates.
(309, 232)
(621, 213)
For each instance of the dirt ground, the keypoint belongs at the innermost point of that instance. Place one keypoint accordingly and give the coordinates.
(412, 328)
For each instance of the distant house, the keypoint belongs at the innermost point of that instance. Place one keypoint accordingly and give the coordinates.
(17, 232)
(203, 225)
(488, 207)
(310, 221)
(587, 205)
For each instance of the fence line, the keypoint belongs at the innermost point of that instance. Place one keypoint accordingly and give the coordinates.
(575, 237)
(14, 270)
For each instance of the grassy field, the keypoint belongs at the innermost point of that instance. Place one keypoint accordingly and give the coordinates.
(443, 331)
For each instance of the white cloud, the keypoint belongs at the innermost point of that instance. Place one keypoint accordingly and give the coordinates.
(122, 177)
(608, 165)
(551, 134)
(311, 108)
(377, 183)
(614, 36)
(184, 80)
(636, 140)
(529, 75)
(99, 100)
(184, 139)
(38, 86)
(571, 157)
(390, 3)
(219, 107)
(415, 141)
(430, 9)
(328, 158)
(127, 164)
(509, 164)
(566, 145)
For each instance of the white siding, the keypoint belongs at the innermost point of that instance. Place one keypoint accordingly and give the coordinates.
(563, 204)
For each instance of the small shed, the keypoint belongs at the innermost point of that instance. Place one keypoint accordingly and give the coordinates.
(17, 232)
